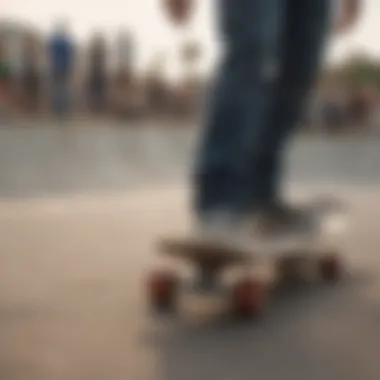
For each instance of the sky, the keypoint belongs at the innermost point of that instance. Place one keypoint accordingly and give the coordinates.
(154, 33)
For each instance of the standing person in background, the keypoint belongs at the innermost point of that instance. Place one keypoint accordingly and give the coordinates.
(61, 52)
(126, 91)
(5, 81)
(97, 75)
(272, 53)
(31, 76)
(12, 42)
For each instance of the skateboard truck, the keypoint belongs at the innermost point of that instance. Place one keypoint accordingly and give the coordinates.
(207, 274)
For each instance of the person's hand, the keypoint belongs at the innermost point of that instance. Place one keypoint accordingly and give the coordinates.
(178, 10)
(348, 16)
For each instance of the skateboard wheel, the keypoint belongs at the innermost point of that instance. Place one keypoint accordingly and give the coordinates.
(330, 268)
(248, 298)
(162, 290)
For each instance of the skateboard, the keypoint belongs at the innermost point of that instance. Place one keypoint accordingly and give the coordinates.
(248, 293)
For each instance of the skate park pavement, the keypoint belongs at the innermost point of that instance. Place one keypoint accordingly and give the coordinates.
(78, 232)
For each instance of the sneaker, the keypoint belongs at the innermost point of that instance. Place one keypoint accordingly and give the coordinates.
(282, 219)
(224, 230)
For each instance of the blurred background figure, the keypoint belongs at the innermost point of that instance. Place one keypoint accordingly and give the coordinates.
(12, 38)
(334, 109)
(127, 92)
(61, 51)
(5, 80)
(97, 78)
(361, 104)
(31, 78)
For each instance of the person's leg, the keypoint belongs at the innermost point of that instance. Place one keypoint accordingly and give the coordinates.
(305, 31)
(251, 31)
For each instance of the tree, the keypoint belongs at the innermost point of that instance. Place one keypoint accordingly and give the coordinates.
(359, 70)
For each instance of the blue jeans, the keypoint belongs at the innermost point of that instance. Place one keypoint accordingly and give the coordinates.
(272, 54)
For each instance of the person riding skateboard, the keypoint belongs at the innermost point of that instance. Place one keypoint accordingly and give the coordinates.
(272, 53)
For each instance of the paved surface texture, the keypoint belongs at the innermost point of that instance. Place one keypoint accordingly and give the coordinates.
(72, 305)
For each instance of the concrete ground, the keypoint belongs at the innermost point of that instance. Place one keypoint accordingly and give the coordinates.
(72, 304)
(72, 264)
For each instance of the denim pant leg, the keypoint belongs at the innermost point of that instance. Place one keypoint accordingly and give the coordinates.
(305, 30)
(239, 102)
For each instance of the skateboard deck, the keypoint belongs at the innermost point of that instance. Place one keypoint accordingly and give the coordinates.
(203, 253)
